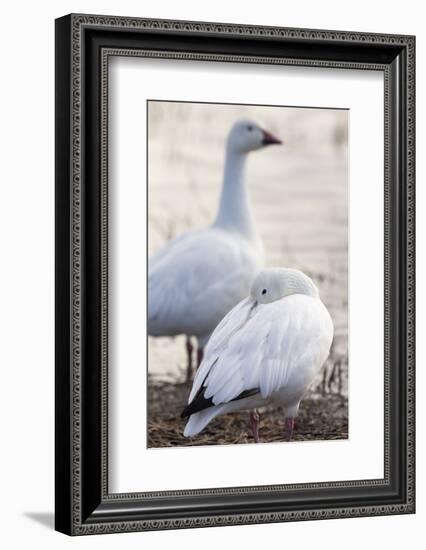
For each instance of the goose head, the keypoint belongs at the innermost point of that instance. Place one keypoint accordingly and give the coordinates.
(275, 283)
(246, 136)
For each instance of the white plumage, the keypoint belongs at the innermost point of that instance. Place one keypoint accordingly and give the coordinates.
(267, 350)
(198, 277)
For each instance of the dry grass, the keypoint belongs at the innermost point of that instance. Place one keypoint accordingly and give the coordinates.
(321, 417)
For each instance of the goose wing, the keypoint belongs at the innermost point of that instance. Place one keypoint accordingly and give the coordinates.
(258, 349)
(198, 280)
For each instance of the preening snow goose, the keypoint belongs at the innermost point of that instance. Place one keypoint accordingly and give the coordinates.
(266, 351)
(196, 279)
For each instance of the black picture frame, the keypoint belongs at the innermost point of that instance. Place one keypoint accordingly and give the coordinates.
(83, 45)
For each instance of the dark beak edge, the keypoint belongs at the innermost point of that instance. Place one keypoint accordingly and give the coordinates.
(269, 139)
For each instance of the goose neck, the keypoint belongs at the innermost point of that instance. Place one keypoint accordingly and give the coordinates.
(234, 207)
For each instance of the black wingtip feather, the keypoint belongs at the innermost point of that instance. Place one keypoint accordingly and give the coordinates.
(199, 403)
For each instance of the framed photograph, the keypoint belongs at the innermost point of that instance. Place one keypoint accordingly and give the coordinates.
(234, 274)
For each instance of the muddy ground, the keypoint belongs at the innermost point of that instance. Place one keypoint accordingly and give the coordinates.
(321, 417)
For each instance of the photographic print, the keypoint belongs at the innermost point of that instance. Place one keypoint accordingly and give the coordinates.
(247, 274)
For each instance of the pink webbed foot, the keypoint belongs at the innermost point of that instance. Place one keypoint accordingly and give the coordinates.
(254, 424)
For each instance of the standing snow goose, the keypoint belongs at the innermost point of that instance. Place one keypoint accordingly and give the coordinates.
(198, 277)
(266, 351)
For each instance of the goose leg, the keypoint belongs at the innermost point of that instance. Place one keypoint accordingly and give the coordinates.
(189, 350)
(254, 424)
(289, 425)
(200, 355)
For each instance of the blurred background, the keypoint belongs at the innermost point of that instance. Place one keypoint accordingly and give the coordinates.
(299, 194)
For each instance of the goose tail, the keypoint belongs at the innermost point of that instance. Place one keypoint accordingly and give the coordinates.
(199, 420)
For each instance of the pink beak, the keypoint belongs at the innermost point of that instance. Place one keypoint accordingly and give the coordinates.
(269, 139)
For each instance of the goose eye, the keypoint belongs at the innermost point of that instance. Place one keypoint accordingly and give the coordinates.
(249, 128)
(264, 291)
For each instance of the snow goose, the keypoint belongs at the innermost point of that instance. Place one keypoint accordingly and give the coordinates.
(199, 276)
(266, 351)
